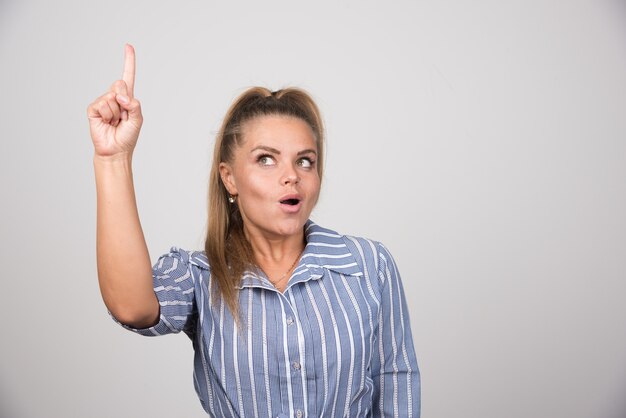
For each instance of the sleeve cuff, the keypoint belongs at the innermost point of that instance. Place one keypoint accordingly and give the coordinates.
(161, 328)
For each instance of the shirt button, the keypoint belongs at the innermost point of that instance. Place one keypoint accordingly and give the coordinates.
(299, 414)
(295, 365)
(290, 321)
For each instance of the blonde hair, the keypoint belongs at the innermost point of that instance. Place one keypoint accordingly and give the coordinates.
(226, 246)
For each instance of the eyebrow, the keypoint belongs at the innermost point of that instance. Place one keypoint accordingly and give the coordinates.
(275, 151)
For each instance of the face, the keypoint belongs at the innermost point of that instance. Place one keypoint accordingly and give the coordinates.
(274, 176)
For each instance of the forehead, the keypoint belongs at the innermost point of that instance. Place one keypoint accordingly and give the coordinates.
(278, 131)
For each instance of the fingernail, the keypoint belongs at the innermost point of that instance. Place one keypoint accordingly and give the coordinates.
(122, 99)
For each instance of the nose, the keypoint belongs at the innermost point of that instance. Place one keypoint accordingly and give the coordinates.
(290, 176)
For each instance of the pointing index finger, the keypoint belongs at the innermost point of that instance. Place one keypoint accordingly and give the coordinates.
(129, 69)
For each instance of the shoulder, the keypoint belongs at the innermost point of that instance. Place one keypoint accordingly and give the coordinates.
(372, 255)
(178, 258)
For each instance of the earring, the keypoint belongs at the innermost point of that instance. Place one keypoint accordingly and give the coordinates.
(232, 198)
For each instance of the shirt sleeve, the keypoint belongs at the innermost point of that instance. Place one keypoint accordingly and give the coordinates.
(394, 364)
(173, 281)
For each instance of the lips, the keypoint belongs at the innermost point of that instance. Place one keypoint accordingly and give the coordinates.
(290, 203)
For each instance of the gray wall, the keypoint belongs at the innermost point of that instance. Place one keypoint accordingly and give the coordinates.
(483, 142)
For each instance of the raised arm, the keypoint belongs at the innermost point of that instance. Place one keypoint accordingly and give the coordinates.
(124, 268)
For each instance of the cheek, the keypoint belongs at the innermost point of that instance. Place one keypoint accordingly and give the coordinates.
(254, 186)
(314, 188)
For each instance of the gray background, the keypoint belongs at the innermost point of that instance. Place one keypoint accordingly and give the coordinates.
(483, 142)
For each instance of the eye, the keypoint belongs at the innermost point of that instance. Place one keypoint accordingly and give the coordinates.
(305, 162)
(266, 160)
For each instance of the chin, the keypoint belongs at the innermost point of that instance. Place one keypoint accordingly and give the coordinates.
(290, 227)
(277, 224)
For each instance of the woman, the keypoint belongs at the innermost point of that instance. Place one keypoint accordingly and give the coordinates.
(287, 318)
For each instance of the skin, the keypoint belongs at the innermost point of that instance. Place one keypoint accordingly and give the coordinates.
(277, 237)
(124, 268)
(276, 160)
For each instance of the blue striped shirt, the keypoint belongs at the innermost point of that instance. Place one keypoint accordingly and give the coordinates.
(336, 343)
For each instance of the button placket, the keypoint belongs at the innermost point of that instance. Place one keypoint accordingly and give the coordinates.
(295, 364)
(291, 328)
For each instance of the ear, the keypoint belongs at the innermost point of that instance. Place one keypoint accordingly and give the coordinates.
(226, 173)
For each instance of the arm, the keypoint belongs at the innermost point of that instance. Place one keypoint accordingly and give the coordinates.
(124, 270)
(394, 364)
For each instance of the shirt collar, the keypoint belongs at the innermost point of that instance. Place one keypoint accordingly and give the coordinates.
(325, 250)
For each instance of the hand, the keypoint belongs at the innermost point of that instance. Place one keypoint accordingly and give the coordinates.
(115, 118)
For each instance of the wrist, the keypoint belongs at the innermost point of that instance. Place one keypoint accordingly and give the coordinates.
(113, 166)
(119, 158)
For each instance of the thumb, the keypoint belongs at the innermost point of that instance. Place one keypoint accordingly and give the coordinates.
(131, 108)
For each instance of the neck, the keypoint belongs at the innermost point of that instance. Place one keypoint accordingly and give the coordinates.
(276, 256)
(275, 249)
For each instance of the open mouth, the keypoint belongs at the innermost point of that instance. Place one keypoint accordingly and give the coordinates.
(290, 202)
